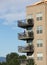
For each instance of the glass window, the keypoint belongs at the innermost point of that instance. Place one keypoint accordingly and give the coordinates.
(39, 29)
(39, 16)
(39, 56)
(39, 43)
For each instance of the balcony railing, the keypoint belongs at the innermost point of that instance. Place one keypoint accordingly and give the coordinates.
(26, 49)
(26, 36)
(23, 61)
(25, 23)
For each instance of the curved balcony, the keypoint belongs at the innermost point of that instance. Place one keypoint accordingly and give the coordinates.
(25, 23)
(27, 49)
(23, 61)
(30, 53)
(26, 36)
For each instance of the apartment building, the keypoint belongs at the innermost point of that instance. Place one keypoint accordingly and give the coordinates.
(35, 33)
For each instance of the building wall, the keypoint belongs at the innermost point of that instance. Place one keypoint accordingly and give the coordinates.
(33, 10)
(46, 26)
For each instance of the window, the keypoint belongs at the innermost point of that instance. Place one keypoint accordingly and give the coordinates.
(39, 56)
(39, 43)
(39, 16)
(39, 29)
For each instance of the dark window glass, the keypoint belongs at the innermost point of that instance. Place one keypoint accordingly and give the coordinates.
(39, 18)
(39, 58)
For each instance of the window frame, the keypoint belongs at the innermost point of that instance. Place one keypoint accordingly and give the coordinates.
(39, 56)
(39, 43)
(39, 29)
(39, 16)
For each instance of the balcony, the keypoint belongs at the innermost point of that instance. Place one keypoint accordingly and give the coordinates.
(26, 36)
(25, 23)
(27, 49)
(30, 53)
(23, 61)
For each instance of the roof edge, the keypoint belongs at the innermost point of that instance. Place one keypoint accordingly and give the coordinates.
(36, 3)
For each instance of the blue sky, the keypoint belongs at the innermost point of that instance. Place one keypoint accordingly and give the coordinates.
(10, 12)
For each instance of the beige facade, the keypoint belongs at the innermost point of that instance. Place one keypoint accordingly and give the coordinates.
(34, 11)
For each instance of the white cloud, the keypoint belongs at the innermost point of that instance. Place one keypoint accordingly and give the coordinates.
(12, 10)
(12, 17)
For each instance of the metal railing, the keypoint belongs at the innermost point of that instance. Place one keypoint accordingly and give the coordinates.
(25, 23)
(25, 35)
(29, 48)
